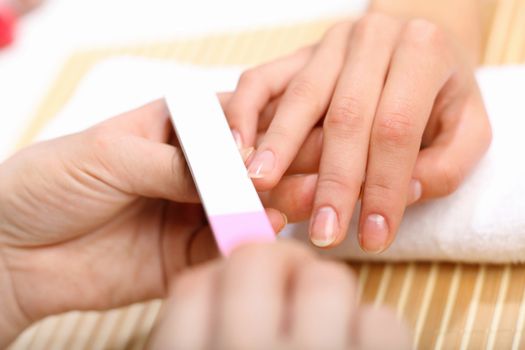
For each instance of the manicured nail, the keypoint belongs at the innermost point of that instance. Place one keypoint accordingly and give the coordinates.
(261, 164)
(238, 138)
(415, 191)
(374, 235)
(324, 227)
(246, 153)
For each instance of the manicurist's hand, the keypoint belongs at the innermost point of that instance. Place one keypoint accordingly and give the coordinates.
(98, 219)
(383, 107)
(278, 296)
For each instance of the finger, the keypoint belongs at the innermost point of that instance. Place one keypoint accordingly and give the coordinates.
(187, 316)
(267, 114)
(253, 293)
(293, 196)
(419, 69)
(304, 102)
(323, 306)
(308, 157)
(140, 166)
(442, 166)
(203, 247)
(394, 334)
(256, 88)
(150, 121)
(277, 218)
(187, 239)
(347, 127)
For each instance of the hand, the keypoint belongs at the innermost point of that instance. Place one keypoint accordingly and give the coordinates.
(99, 219)
(278, 296)
(396, 108)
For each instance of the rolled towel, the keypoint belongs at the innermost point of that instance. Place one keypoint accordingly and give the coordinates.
(484, 220)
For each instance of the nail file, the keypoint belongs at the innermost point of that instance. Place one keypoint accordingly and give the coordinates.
(232, 205)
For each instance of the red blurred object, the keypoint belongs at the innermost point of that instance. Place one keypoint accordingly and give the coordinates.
(7, 26)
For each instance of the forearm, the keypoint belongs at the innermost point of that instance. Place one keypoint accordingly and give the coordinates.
(462, 18)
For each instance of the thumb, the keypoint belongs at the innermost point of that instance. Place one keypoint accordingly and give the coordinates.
(148, 168)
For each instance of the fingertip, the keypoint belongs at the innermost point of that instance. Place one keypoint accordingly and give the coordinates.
(278, 219)
(374, 235)
(262, 164)
(285, 221)
(324, 227)
(262, 168)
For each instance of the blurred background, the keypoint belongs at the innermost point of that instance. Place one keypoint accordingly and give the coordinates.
(53, 31)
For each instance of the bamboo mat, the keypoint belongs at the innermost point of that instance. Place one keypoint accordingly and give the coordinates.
(448, 306)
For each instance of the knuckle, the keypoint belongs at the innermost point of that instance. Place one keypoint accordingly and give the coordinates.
(369, 25)
(302, 89)
(347, 115)
(249, 77)
(335, 181)
(338, 28)
(278, 131)
(423, 34)
(380, 192)
(102, 138)
(396, 129)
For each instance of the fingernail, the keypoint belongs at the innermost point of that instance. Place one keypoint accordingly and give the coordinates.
(261, 164)
(415, 191)
(237, 137)
(324, 227)
(246, 153)
(374, 235)
(285, 222)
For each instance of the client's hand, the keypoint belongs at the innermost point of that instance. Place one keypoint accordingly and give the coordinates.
(394, 104)
(278, 296)
(98, 219)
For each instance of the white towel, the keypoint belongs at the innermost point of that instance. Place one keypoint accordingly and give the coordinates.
(483, 221)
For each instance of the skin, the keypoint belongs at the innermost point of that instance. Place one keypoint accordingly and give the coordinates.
(391, 110)
(279, 296)
(109, 216)
(99, 219)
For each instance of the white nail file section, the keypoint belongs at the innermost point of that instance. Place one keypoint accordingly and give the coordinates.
(232, 205)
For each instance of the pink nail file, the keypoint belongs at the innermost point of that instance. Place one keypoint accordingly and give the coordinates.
(233, 207)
